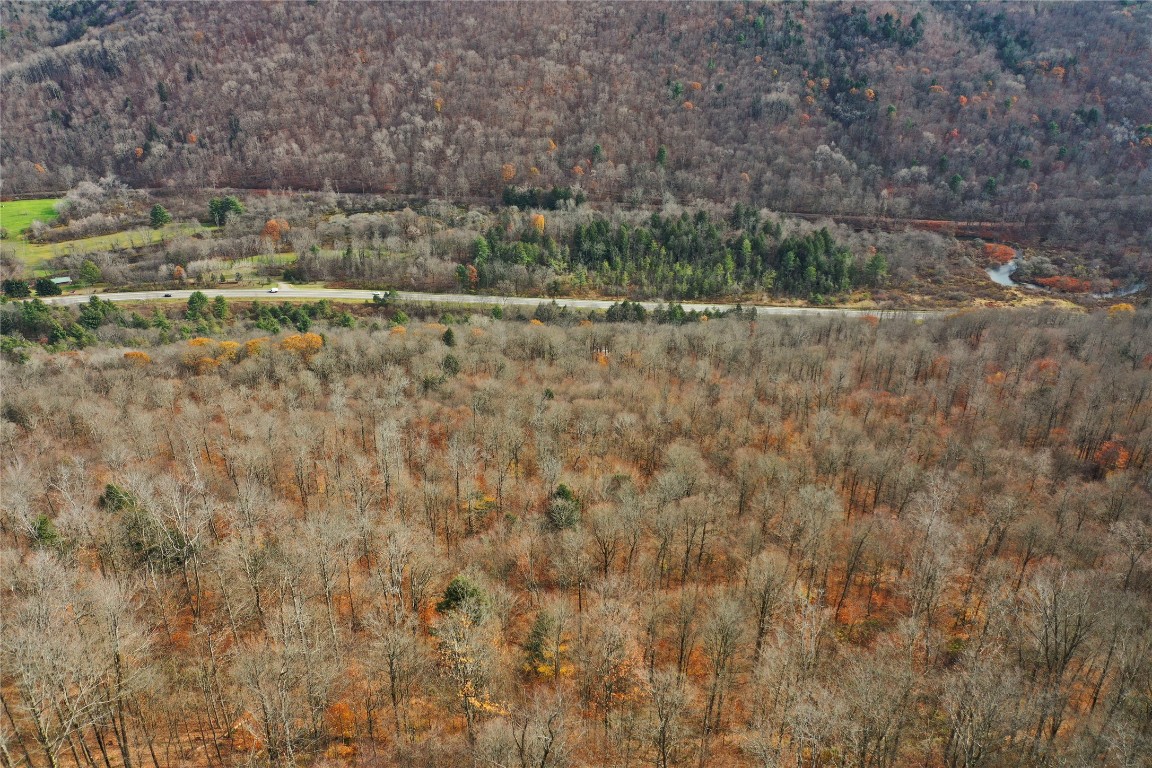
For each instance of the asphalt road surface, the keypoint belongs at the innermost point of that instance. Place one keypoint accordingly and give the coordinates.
(290, 293)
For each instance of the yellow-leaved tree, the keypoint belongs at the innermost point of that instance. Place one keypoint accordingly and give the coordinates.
(304, 344)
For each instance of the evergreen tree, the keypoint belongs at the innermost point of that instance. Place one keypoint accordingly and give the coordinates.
(220, 208)
(45, 287)
(197, 305)
(16, 289)
(159, 216)
(89, 272)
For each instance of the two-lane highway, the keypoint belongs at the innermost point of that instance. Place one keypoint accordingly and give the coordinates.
(289, 293)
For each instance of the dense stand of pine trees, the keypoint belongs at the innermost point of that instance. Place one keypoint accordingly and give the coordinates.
(683, 257)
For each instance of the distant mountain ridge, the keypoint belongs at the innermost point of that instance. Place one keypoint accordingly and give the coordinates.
(984, 111)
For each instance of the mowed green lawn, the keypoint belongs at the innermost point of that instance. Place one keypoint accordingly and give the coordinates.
(16, 215)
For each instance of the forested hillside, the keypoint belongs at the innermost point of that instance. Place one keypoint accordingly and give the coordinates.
(382, 540)
(1036, 112)
(276, 533)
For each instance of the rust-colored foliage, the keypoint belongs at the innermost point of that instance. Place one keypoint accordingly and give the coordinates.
(1066, 284)
(1111, 456)
(340, 720)
(1045, 371)
(1001, 254)
(274, 229)
(245, 734)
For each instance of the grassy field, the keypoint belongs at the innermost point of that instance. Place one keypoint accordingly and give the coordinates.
(16, 215)
(35, 254)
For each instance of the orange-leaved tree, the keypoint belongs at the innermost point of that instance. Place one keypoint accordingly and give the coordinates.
(341, 721)
(1001, 254)
(255, 346)
(304, 344)
(1111, 456)
(136, 357)
(274, 229)
(205, 355)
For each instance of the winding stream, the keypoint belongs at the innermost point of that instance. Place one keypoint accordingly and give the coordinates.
(1002, 275)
